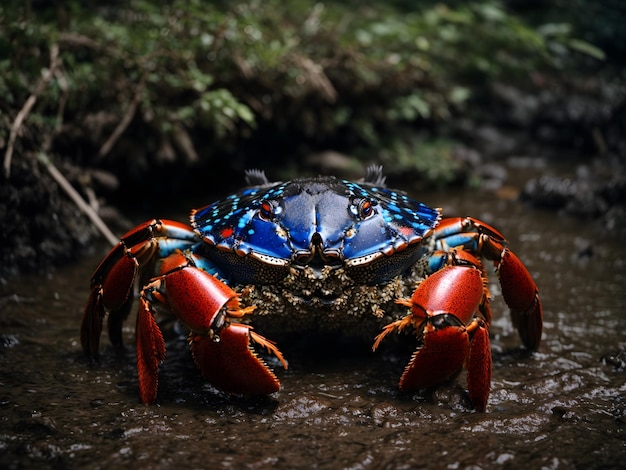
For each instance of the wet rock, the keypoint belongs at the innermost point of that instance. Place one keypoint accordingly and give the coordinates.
(301, 407)
(616, 359)
(37, 426)
(596, 190)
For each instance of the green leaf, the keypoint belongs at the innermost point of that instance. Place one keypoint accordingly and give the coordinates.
(586, 48)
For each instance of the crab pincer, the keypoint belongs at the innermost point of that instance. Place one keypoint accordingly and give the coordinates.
(451, 333)
(207, 307)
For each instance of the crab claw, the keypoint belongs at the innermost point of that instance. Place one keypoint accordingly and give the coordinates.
(521, 295)
(446, 345)
(228, 362)
(221, 349)
(444, 314)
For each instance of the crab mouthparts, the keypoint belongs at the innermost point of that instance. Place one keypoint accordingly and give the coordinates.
(316, 257)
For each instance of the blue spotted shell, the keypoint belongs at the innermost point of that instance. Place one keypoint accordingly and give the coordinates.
(352, 224)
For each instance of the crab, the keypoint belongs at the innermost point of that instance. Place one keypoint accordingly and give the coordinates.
(312, 253)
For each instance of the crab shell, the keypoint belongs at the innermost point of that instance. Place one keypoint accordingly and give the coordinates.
(256, 235)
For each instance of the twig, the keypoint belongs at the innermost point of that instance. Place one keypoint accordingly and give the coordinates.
(125, 122)
(78, 200)
(28, 106)
(64, 86)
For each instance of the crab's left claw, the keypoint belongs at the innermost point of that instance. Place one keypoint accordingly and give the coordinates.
(445, 313)
(447, 346)
(228, 362)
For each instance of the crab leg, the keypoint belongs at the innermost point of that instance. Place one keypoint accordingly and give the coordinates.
(112, 282)
(150, 351)
(518, 288)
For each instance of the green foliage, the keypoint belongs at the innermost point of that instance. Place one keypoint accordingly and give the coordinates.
(432, 161)
(193, 79)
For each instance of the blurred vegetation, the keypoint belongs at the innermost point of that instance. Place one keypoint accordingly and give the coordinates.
(190, 92)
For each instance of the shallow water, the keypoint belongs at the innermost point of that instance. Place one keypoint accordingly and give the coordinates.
(562, 407)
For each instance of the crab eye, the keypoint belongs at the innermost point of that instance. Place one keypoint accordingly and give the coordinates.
(266, 210)
(365, 208)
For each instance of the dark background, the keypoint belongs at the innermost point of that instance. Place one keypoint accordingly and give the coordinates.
(151, 108)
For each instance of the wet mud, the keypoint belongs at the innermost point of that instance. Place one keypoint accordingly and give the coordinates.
(561, 407)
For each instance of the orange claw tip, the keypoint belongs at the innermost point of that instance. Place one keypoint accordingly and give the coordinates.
(230, 365)
(270, 346)
(405, 302)
(396, 325)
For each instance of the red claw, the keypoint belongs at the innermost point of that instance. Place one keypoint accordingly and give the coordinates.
(441, 357)
(194, 295)
(446, 317)
(205, 305)
(228, 362)
(454, 289)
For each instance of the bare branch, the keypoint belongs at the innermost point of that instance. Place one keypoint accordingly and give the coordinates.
(28, 106)
(78, 200)
(125, 122)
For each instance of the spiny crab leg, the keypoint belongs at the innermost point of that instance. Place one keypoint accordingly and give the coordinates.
(518, 288)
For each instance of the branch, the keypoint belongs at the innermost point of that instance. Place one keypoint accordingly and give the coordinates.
(78, 200)
(125, 122)
(28, 106)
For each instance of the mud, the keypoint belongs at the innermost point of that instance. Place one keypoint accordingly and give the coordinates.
(561, 407)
